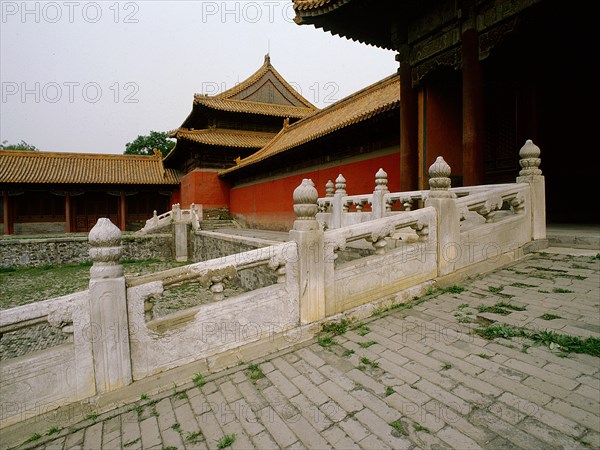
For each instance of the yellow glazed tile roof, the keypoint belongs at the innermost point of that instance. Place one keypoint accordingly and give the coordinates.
(362, 105)
(83, 168)
(252, 107)
(307, 5)
(266, 69)
(225, 138)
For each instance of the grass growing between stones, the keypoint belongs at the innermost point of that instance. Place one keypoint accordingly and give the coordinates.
(418, 427)
(254, 372)
(199, 380)
(399, 427)
(226, 441)
(193, 437)
(502, 308)
(548, 316)
(554, 341)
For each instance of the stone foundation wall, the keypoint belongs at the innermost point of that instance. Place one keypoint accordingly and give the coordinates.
(205, 246)
(212, 245)
(74, 250)
(39, 228)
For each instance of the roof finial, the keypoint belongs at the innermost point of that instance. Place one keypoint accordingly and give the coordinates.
(286, 122)
(268, 58)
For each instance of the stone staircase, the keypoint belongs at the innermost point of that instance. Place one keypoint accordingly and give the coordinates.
(218, 224)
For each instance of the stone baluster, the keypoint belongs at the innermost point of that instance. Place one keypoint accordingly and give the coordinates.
(155, 218)
(176, 211)
(389, 204)
(381, 188)
(327, 206)
(278, 265)
(439, 179)
(407, 203)
(340, 185)
(338, 201)
(422, 231)
(360, 204)
(180, 234)
(217, 287)
(489, 208)
(148, 309)
(531, 174)
(447, 217)
(108, 329)
(309, 238)
(329, 189)
(381, 181)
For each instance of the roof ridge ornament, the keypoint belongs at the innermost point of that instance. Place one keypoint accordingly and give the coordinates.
(267, 59)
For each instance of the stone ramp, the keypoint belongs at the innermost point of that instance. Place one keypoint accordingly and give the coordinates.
(417, 377)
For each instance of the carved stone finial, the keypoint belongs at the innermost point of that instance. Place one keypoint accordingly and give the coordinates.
(530, 159)
(106, 250)
(305, 200)
(329, 189)
(381, 181)
(439, 178)
(340, 185)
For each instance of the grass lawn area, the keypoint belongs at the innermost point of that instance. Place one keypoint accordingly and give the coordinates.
(23, 286)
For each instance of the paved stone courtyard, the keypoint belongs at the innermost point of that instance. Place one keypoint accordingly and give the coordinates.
(418, 377)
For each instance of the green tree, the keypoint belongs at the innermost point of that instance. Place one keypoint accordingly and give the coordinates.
(20, 146)
(145, 145)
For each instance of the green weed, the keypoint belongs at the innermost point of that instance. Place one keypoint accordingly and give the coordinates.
(199, 380)
(368, 362)
(226, 441)
(397, 425)
(418, 427)
(548, 316)
(254, 372)
(562, 291)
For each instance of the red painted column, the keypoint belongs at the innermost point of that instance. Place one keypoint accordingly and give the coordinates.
(473, 121)
(67, 212)
(409, 151)
(6, 211)
(122, 211)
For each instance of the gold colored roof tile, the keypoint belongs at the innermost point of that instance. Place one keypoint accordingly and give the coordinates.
(362, 105)
(252, 107)
(83, 168)
(226, 138)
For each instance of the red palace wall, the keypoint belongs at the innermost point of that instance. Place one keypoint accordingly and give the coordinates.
(443, 127)
(269, 205)
(205, 188)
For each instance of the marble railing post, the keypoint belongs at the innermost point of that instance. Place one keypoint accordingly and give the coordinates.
(379, 206)
(338, 207)
(108, 329)
(532, 175)
(309, 238)
(448, 221)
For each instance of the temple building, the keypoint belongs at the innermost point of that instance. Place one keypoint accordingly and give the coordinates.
(47, 192)
(355, 136)
(478, 78)
(238, 154)
(228, 127)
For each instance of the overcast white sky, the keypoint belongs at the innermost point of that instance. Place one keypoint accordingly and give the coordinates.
(83, 76)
